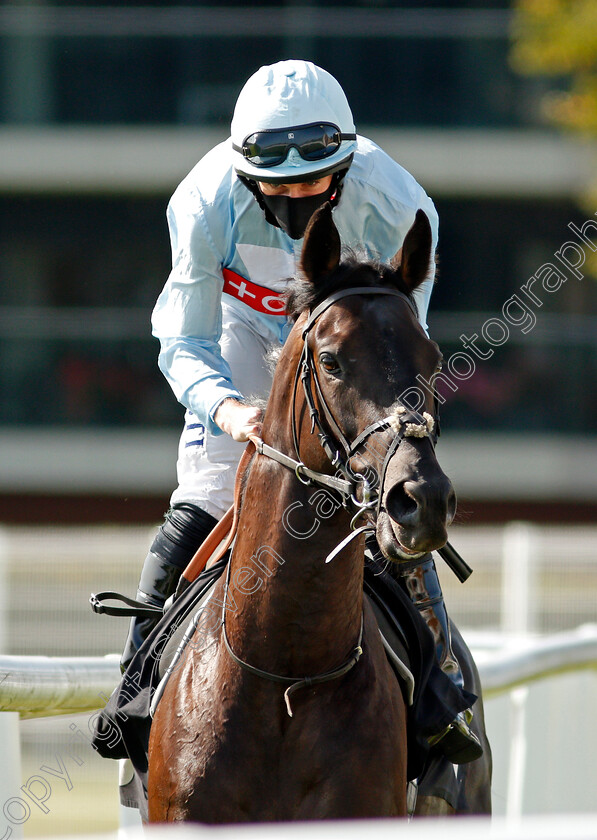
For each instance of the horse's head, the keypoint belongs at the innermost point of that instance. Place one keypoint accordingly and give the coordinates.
(360, 347)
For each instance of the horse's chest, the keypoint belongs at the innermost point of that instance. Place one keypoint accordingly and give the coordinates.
(229, 752)
(247, 760)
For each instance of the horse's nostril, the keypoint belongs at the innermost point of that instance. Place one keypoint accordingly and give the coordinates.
(399, 504)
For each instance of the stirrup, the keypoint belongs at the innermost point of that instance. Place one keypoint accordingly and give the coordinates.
(457, 741)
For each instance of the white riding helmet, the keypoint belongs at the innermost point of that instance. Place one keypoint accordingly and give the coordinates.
(292, 123)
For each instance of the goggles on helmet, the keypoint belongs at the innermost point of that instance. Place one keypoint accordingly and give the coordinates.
(314, 141)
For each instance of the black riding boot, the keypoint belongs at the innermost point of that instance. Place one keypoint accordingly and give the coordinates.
(422, 585)
(185, 527)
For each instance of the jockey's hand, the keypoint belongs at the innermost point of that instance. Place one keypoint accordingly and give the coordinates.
(238, 420)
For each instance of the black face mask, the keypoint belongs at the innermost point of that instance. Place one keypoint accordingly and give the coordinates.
(293, 214)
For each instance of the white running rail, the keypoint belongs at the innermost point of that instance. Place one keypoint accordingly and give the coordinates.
(40, 686)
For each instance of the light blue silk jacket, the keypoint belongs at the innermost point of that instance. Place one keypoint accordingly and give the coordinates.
(223, 250)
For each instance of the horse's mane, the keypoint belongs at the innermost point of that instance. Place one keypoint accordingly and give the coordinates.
(303, 295)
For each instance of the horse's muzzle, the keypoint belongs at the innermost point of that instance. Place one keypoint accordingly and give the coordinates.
(417, 514)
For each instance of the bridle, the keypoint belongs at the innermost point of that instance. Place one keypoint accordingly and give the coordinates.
(354, 489)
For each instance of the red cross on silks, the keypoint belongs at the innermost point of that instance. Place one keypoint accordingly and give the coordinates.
(257, 297)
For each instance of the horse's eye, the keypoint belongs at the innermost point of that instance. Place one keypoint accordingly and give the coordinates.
(329, 363)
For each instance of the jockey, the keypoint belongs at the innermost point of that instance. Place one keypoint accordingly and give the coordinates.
(236, 226)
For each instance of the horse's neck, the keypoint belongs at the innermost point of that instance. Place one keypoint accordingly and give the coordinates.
(292, 612)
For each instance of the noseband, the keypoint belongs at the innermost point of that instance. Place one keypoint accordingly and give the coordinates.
(355, 489)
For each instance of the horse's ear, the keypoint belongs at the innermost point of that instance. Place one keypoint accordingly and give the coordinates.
(321, 246)
(414, 258)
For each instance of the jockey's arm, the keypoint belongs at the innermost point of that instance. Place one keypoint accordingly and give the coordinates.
(187, 320)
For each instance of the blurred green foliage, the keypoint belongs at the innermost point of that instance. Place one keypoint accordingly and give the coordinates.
(558, 39)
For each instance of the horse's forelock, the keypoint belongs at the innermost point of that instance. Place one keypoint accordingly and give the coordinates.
(352, 271)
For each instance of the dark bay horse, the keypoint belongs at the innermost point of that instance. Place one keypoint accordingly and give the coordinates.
(284, 706)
